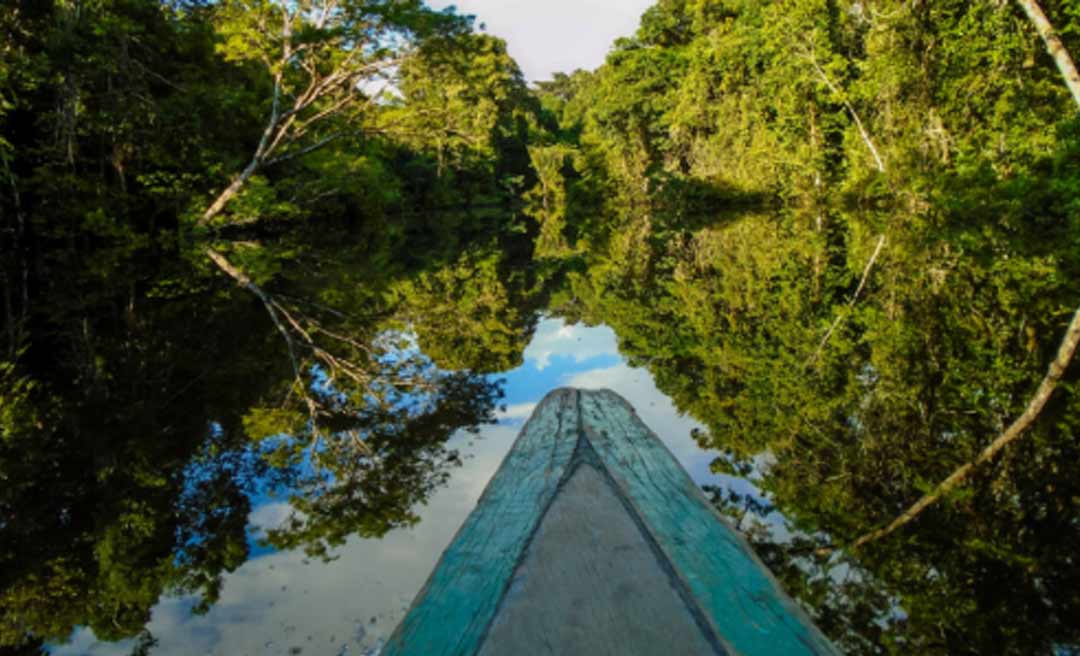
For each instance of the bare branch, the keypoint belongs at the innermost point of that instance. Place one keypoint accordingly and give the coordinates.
(247, 283)
(851, 302)
(1054, 46)
(851, 111)
(287, 126)
(1049, 383)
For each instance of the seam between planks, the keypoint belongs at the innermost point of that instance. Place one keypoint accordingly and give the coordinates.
(570, 468)
(590, 458)
(416, 625)
(630, 468)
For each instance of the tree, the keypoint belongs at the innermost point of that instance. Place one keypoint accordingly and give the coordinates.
(1066, 350)
(323, 58)
(141, 397)
(464, 102)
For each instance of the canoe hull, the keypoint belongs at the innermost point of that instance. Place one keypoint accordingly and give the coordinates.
(592, 539)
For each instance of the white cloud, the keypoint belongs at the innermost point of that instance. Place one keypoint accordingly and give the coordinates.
(282, 600)
(516, 412)
(83, 643)
(269, 516)
(554, 338)
(555, 35)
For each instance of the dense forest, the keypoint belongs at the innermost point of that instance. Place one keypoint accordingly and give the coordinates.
(256, 247)
(155, 154)
(884, 309)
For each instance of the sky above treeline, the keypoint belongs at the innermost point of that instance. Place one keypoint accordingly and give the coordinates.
(550, 36)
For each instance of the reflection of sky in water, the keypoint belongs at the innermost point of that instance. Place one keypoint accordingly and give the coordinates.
(280, 601)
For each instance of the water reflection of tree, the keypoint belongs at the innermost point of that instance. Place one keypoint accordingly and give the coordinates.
(942, 350)
(135, 436)
(377, 461)
(142, 399)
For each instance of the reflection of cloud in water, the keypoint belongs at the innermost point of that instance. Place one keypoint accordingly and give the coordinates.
(554, 338)
(517, 412)
(268, 516)
(284, 600)
(281, 600)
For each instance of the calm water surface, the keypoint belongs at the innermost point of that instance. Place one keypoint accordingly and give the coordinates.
(166, 461)
(280, 602)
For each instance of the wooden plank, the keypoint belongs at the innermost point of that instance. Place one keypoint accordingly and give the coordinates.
(497, 592)
(591, 583)
(735, 590)
(452, 613)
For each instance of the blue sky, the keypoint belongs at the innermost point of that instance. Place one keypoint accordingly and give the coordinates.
(549, 36)
(279, 600)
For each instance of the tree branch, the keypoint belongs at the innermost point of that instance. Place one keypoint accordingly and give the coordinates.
(247, 283)
(1054, 46)
(851, 111)
(851, 303)
(1035, 406)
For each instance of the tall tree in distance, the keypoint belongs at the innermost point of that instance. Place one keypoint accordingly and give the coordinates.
(465, 104)
(325, 59)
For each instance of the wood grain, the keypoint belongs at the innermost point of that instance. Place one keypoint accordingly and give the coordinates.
(453, 611)
(735, 590)
(590, 583)
(592, 539)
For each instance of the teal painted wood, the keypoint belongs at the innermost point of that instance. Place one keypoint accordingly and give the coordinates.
(736, 592)
(452, 613)
(732, 593)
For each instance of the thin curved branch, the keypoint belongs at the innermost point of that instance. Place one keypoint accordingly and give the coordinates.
(1024, 422)
(1054, 46)
(851, 303)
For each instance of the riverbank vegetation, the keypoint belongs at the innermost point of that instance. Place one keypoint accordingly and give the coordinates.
(282, 246)
(152, 155)
(888, 312)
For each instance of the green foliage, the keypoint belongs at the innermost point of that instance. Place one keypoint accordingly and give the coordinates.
(18, 404)
(371, 490)
(263, 423)
(769, 97)
(464, 105)
(143, 396)
(548, 200)
(472, 314)
(846, 385)
(942, 349)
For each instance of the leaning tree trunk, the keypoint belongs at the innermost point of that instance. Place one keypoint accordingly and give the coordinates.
(1011, 434)
(1066, 350)
(1054, 46)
